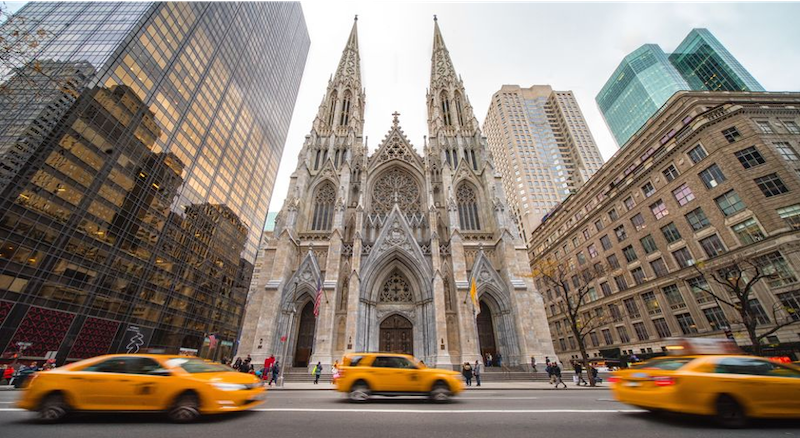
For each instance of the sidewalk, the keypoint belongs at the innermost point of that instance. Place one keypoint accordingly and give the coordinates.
(306, 386)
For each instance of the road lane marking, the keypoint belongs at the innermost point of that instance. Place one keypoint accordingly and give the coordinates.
(456, 411)
(11, 410)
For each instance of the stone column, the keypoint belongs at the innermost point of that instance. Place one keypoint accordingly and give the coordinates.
(354, 284)
(443, 359)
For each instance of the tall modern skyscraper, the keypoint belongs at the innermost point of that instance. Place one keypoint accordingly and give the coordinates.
(140, 144)
(542, 147)
(647, 77)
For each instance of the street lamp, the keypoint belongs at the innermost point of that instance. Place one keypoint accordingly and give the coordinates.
(288, 333)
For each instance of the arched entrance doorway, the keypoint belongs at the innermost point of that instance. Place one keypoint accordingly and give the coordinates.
(305, 336)
(396, 335)
(486, 332)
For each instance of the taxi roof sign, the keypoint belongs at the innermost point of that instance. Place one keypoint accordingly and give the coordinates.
(699, 346)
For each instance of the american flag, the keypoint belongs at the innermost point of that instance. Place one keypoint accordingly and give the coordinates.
(318, 298)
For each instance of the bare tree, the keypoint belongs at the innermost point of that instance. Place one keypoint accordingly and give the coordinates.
(738, 280)
(573, 291)
(21, 41)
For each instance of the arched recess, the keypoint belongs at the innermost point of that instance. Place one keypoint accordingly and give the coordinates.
(504, 333)
(324, 202)
(396, 334)
(459, 107)
(448, 121)
(332, 108)
(344, 118)
(304, 338)
(468, 211)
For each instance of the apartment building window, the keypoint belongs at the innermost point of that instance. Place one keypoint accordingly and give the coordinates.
(716, 318)
(606, 242)
(791, 300)
(613, 310)
(771, 185)
(697, 219)
(593, 338)
(671, 233)
(683, 194)
(562, 344)
(623, 334)
(613, 214)
(662, 328)
(552, 309)
(638, 275)
(697, 153)
(629, 204)
(683, 257)
(712, 176)
(791, 127)
(586, 234)
(581, 258)
(659, 267)
(638, 221)
(764, 126)
(758, 311)
(606, 289)
(592, 294)
(641, 331)
(712, 245)
(613, 262)
(648, 190)
(572, 343)
(648, 244)
(731, 134)
(622, 284)
(698, 285)
(748, 231)
(630, 253)
(607, 337)
(785, 150)
(592, 251)
(651, 303)
(598, 224)
(575, 242)
(659, 209)
(670, 173)
(674, 297)
(749, 157)
(686, 323)
(620, 232)
(791, 215)
(775, 267)
(730, 203)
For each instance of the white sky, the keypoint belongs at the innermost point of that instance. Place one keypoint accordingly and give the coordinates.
(573, 46)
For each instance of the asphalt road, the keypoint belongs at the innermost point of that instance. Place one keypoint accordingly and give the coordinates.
(487, 413)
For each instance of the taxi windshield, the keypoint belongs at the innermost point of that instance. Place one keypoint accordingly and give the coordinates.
(196, 366)
(670, 364)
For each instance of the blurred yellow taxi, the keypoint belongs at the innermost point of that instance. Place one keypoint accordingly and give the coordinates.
(365, 374)
(183, 387)
(730, 387)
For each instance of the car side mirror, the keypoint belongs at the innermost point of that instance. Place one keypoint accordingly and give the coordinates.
(160, 372)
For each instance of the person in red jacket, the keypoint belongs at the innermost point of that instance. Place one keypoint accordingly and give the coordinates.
(268, 363)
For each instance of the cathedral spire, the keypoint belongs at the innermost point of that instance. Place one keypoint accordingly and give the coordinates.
(441, 66)
(350, 64)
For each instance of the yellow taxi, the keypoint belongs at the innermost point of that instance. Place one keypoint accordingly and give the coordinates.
(707, 379)
(183, 387)
(365, 374)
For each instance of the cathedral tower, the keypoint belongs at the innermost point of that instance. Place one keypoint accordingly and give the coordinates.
(393, 240)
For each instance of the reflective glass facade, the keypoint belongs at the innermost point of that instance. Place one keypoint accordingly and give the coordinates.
(141, 171)
(707, 65)
(638, 88)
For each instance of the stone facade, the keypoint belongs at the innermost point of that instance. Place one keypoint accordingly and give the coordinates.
(394, 239)
(685, 191)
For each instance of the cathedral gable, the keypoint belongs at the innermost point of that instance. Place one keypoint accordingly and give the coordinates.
(395, 147)
(396, 236)
(307, 275)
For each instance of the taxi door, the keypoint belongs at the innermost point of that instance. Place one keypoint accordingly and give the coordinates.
(766, 388)
(102, 386)
(147, 384)
(395, 374)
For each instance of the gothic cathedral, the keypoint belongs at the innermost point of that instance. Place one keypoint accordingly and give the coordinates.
(394, 240)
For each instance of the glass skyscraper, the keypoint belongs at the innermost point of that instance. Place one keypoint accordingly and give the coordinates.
(140, 144)
(647, 77)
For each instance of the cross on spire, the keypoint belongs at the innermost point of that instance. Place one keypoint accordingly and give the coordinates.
(396, 120)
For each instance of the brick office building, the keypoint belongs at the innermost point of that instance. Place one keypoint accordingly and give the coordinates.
(713, 177)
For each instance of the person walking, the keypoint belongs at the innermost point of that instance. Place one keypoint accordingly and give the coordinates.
(334, 372)
(551, 376)
(579, 374)
(317, 372)
(488, 359)
(499, 359)
(276, 369)
(476, 371)
(557, 373)
(466, 371)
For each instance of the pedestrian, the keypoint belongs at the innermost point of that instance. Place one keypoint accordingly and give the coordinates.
(499, 359)
(488, 359)
(593, 372)
(476, 371)
(579, 374)
(551, 375)
(5, 374)
(317, 372)
(276, 369)
(269, 361)
(334, 372)
(466, 371)
(557, 372)
(533, 364)
(237, 363)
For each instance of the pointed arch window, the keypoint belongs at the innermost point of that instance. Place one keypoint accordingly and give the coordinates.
(345, 116)
(396, 290)
(459, 110)
(467, 207)
(474, 160)
(323, 207)
(445, 109)
(332, 109)
(316, 160)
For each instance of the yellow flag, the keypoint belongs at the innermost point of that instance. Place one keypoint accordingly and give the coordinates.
(473, 295)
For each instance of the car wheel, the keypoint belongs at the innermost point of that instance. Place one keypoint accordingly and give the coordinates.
(730, 413)
(185, 409)
(359, 393)
(440, 393)
(52, 409)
